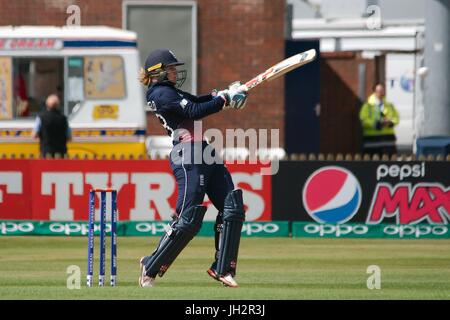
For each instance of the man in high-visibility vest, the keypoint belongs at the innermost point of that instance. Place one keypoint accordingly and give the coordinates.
(378, 119)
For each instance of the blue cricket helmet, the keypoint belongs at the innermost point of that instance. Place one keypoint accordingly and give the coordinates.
(160, 59)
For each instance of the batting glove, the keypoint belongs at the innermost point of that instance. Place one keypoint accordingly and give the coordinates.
(226, 98)
(238, 98)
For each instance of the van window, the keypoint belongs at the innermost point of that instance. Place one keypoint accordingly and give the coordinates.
(26, 82)
(95, 77)
(104, 78)
(33, 80)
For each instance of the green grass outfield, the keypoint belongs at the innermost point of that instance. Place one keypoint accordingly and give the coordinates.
(269, 268)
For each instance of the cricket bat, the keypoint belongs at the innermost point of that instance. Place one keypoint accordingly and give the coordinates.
(280, 68)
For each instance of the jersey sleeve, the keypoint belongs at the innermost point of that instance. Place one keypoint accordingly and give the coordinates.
(365, 115)
(198, 99)
(37, 125)
(185, 106)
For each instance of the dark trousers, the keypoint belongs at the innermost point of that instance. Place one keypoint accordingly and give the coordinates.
(194, 180)
(384, 144)
(53, 154)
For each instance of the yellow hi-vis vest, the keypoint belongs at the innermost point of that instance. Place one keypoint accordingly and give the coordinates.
(370, 114)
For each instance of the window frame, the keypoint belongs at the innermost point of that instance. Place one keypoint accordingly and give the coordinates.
(193, 4)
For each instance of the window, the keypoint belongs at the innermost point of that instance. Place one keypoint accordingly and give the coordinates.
(33, 80)
(95, 77)
(166, 24)
(104, 78)
(26, 82)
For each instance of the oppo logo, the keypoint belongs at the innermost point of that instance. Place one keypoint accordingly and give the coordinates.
(12, 227)
(336, 230)
(151, 227)
(77, 228)
(417, 231)
(252, 228)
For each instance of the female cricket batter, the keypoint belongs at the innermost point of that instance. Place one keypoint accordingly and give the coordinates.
(177, 110)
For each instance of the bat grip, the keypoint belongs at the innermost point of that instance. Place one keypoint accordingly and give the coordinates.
(243, 88)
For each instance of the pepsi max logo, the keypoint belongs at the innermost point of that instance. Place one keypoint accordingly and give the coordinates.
(332, 195)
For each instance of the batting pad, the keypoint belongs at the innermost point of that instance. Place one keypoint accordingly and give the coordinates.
(233, 219)
(175, 240)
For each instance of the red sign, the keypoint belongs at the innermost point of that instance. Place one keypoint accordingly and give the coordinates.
(429, 202)
(147, 190)
(30, 44)
(15, 195)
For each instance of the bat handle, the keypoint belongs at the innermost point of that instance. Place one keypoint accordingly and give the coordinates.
(243, 88)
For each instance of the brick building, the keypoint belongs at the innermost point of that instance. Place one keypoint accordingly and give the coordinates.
(236, 40)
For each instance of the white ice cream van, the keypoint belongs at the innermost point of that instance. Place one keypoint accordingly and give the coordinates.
(94, 70)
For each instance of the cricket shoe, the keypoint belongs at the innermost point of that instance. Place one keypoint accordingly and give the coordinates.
(228, 281)
(213, 274)
(144, 280)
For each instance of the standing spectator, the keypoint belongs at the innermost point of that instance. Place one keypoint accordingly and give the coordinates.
(378, 119)
(52, 129)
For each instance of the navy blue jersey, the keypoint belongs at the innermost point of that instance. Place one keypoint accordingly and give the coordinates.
(177, 109)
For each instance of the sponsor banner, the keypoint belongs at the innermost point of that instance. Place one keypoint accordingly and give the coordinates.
(249, 229)
(266, 229)
(371, 192)
(58, 190)
(15, 194)
(158, 228)
(30, 44)
(131, 228)
(146, 228)
(55, 228)
(18, 228)
(356, 230)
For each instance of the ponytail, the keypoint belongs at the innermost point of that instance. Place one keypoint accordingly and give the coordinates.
(144, 78)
